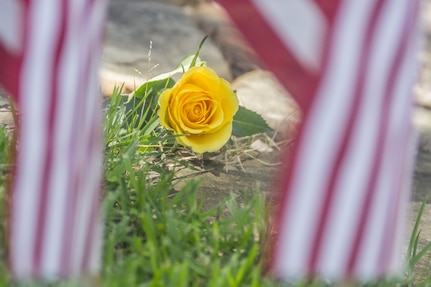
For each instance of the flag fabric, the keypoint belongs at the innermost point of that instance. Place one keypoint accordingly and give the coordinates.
(49, 55)
(350, 65)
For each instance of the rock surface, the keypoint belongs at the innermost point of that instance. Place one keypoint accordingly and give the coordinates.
(259, 91)
(423, 88)
(6, 119)
(422, 116)
(144, 39)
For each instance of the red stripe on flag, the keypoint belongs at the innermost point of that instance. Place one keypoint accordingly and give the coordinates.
(10, 70)
(329, 8)
(300, 82)
(11, 62)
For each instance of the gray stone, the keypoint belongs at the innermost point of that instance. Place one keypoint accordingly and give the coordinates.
(133, 25)
(259, 91)
(421, 185)
(6, 118)
(422, 90)
(214, 21)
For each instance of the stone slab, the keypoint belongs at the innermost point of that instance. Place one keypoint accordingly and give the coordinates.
(135, 27)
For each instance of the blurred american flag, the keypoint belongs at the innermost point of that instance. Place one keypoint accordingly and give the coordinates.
(350, 65)
(49, 55)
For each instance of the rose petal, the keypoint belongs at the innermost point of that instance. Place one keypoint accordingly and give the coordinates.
(163, 110)
(212, 116)
(201, 105)
(230, 100)
(208, 142)
(204, 77)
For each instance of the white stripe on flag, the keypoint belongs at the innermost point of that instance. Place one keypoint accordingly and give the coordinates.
(55, 207)
(322, 131)
(358, 161)
(87, 231)
(11, 15)
(286, 16)
(340, 206)
(76, 151)
(348, 241)
(36, 80)
(396, 175)
(88, 201)
(394, 31)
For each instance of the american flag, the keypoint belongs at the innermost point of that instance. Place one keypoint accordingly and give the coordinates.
(49, 55)
(350, 65)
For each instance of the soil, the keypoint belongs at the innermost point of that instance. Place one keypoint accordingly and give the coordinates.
(238, 175)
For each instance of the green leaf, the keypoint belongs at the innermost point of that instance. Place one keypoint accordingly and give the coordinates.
(184, 65)
(141, 105)
(152, 88)
(196, 57)
(248, 123)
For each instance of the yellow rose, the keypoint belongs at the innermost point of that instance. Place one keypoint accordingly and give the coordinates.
(199, 107)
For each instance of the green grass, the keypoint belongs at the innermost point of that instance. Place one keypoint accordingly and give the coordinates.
(157, 232)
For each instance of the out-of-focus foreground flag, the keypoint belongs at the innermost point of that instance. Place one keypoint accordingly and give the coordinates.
(49, 57)
(350, 65)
